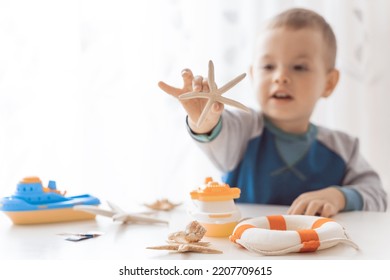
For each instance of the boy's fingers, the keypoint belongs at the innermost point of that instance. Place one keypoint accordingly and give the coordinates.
(313, 208)
(298, 209)
(170, 89)
(205, 85)
(217, 108)
(188, 77)
(294, 204)
(187, 87)
(198, 83)
(328, 210)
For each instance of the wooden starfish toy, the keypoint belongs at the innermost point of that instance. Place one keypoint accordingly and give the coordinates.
(215, 94)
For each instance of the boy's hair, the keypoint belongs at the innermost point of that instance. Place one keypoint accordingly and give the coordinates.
(299, 18)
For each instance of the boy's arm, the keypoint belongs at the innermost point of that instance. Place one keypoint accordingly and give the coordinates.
(362, 178)
(227, 142)
(361, 188)
(226, 149)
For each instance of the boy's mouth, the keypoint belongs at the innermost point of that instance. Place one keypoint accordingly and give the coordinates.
(280, 95)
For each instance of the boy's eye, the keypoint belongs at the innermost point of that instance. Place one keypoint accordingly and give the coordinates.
(268, 67)
(300, 67)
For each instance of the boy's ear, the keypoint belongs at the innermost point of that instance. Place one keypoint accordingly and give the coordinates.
(331, 83)
(251, 72)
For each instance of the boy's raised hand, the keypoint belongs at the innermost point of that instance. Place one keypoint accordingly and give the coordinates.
(325, 202)
(194, 107)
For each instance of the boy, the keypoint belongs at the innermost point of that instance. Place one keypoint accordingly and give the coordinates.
(277, 156)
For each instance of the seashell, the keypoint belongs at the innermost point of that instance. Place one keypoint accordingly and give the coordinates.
(188, 241)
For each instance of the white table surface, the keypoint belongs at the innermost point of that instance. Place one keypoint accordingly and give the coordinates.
(370, 230)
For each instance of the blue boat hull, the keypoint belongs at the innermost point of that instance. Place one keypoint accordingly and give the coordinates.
(14, 204)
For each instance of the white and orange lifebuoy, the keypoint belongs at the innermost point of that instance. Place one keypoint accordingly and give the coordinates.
(282, 234)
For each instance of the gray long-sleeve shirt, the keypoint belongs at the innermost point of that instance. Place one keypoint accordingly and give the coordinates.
(275, 167)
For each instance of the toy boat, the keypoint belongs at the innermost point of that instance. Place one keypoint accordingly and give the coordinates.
(32, 203)
(215, 208)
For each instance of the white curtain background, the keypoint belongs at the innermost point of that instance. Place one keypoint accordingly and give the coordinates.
(79, 101)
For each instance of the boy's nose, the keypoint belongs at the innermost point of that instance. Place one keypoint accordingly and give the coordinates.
(281, 79)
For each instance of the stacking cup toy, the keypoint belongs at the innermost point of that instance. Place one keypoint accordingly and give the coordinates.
(214, 208)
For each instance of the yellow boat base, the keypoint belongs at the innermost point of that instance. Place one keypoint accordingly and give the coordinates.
(48, 216)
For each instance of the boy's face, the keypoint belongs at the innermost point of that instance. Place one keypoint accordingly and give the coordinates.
(290, 74)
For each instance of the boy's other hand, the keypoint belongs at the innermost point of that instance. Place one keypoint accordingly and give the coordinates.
(194, 107)
(326, 203)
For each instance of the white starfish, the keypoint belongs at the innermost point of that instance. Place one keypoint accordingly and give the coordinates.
(117, 214)
(215, 94)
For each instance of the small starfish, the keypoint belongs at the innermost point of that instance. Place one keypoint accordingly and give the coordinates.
(163, 205)
(215, 94)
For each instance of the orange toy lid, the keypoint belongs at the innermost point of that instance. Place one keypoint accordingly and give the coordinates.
(214, 191)
(32, 179)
